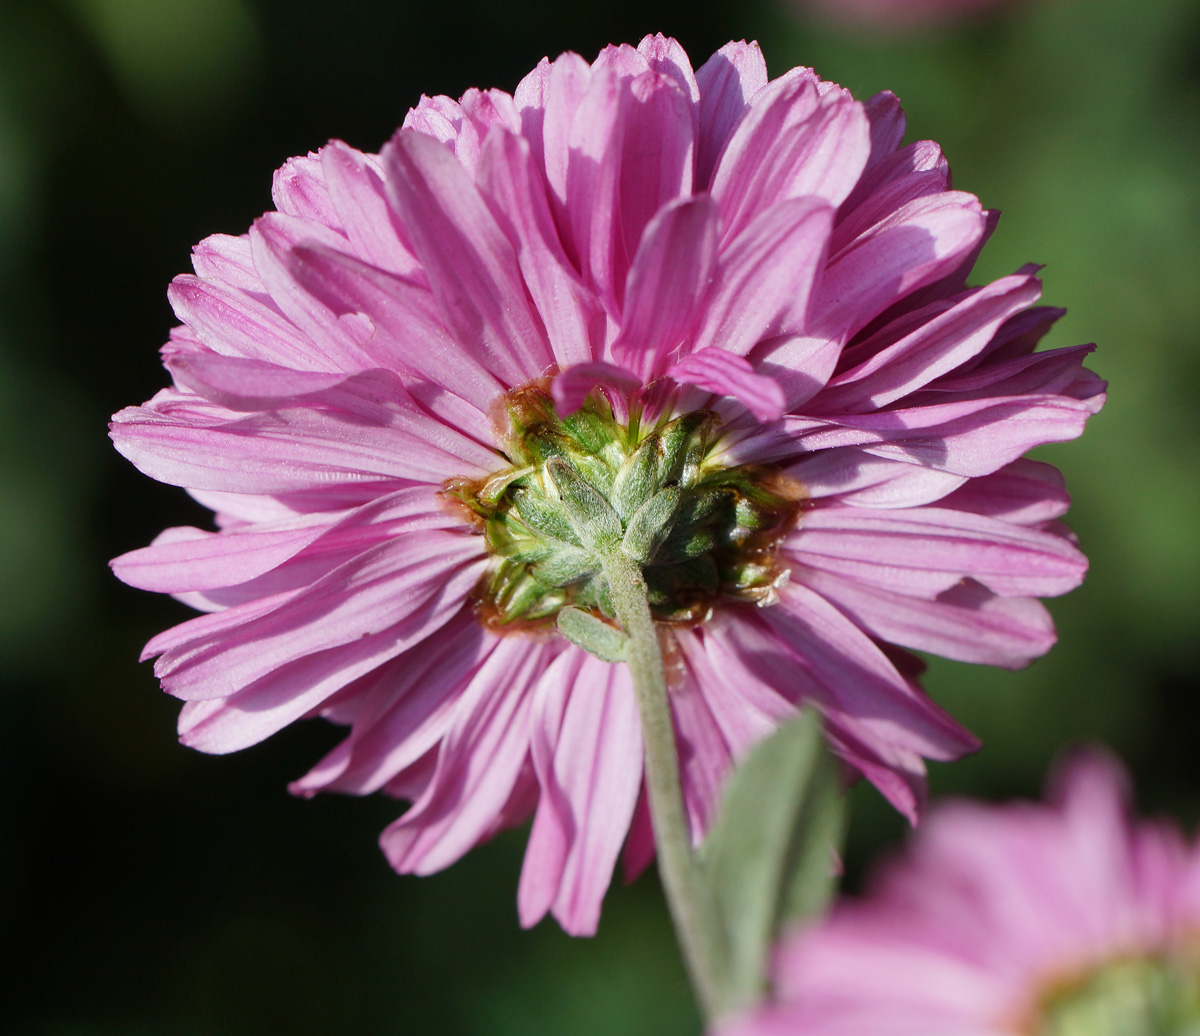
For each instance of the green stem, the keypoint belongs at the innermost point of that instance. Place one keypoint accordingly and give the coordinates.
(693, 911)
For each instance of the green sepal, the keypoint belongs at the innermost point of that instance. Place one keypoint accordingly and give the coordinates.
(593, 519)
(594, 635)
(543, 515)
(565, 566)
(637, 481)
(770, 856)
(651, 525)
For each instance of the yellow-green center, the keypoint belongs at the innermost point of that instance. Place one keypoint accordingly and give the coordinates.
(1138, 996)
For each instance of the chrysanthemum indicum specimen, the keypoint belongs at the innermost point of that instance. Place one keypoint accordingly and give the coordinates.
(1066, 919)
(719, 321)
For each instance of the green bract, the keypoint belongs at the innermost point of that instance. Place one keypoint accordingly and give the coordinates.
(580, 486)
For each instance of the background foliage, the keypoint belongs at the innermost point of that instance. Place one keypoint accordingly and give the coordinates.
(149, 889)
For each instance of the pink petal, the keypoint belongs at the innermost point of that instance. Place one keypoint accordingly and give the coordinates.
(887, 125)
(366, 439)
(1026, 492)
(571, 387)
(235, 323)
(470, 264)
(587, 751)
(939, 345)
(972, 438)
(919, 243)
(554, 94)
(666, 57)
(669, 277)
(382, 587)
(360, 198)
(793, 142)
(1011, 560)
(478, 765)
(247, 385)
(658, 148)
(728, 375)
(592, 186)
(405, 709)
(508, 176)
(409, 334)
(727, 82)
(857, 478)
(765, 276)
(852, 678)
(917, 171)
(226, 258)
(299, 190)
(299, 685)
(965, 622)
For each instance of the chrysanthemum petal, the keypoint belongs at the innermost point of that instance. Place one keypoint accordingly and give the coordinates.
(965, 622)
(855, 477)
(919, 243)
(939, 345)
(587, 751)
(972, 438)
(223, 257)
(404, 709)
(508, 177)
(360, 199)
(470, 264)
(856, 679)
(1011, 560)
(409, 334)
(765, 277)
(478, 764)
(571, 387)
(795, 141)
(236, 323)
(367, 438)
(299, 189)
(669, 277)
(727, 81)
(658, 152)
(729, 375)
(371, 594)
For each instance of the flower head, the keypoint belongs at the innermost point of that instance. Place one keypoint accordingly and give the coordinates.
(901, 15)
(720, 320)
(1066, 919)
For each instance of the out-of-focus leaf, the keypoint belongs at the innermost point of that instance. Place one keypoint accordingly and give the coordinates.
(176, 60)
(770, 857)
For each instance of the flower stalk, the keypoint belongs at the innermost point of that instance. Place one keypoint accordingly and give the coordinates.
(693, 910)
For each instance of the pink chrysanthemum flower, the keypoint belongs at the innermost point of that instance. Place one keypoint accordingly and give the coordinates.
(732, 306)
(901, 15)
(1066, 919)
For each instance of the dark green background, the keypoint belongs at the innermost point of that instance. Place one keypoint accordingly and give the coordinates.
(148, 889)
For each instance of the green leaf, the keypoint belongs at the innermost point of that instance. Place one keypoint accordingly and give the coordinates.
(769, 858)
(594, 635)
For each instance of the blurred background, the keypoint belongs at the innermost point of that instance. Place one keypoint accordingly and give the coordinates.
(148, 889)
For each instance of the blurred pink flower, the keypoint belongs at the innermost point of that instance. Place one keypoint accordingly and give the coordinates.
(361, 393)
(1066, 919)
(901, 15)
